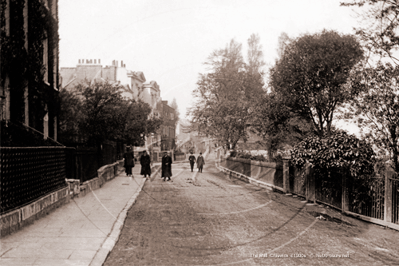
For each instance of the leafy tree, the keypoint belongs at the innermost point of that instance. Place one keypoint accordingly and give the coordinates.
(176, 111)
(137, 123)
(70, 116)
(255, 56)
(312, 74)
(96, 112)
(275, 121)
(376, 108)
(101, 108)
(283, 41)
(226, 94)
(278, 124)
(380, 22)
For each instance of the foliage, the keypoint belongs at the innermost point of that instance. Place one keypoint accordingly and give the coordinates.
(279, 124)
(137, 123)
(96, 112)
(276, 122)
(227, 94)
(380, 22)
(247, 155)
(376, 108)
(283, 41)
(70, 117)
(311, 76)
(340, 150)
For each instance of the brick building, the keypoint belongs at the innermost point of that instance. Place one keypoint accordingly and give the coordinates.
(168, 128)
(29, 67)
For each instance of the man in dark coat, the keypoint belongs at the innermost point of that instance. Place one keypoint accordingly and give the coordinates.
(129, 161)
(200, 162)
(145, 162)
(166, 166)
(192, 161)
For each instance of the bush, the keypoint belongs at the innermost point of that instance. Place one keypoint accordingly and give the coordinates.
(340, 150)
(340, 154)
(247, 155)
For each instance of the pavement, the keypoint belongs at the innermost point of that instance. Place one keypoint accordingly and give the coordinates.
(80, 233)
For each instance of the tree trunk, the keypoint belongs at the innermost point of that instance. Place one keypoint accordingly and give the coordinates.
(329, 128)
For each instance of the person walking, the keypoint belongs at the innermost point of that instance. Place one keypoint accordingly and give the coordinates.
(200, 162)
(192, 161)
(145, 162)
(166, 166)
(128, 157)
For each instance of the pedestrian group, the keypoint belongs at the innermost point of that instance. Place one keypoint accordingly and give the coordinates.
(145, 161)
(200, 161)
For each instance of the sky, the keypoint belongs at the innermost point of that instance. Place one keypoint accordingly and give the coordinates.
(169, 40)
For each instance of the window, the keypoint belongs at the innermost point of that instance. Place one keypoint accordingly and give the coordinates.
(55, 56)
(45, 58)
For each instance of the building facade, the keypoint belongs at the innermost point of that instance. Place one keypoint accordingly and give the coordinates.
(133, 82)
(168, 128)
(134, 86)
(29, 79)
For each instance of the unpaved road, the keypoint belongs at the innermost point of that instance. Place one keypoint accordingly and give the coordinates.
(218, 221)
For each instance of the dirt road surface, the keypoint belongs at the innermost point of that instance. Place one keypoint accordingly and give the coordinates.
(208, 219)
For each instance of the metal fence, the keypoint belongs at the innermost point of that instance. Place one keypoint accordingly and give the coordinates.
(30, 173)
(110, 152)
(82, 163)
(367, 199)
(372, 198)
(329, 187)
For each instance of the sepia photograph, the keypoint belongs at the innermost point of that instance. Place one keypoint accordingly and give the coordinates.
(212, 132)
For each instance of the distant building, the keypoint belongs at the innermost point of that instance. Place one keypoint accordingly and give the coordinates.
(135, 87)
(134, 83)
(168, 128)
(29, 50)
(91, 70)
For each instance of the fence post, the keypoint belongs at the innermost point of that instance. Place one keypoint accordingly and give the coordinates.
(345, 196)
(310, 185)
(388, 197)
(286, 176)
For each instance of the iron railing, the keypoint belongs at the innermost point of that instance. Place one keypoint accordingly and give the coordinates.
(29, 173)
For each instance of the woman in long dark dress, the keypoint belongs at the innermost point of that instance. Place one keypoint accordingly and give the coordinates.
(129, 161)
(200, 162)
(145, 162)
(192, 161)
(166, 166)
